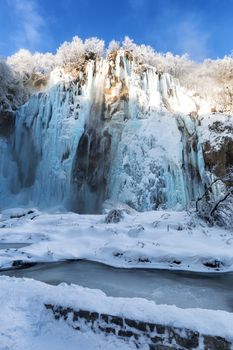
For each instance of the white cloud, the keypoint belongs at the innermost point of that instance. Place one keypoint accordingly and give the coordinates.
(191, 39)
(168, 28)
(31, 26)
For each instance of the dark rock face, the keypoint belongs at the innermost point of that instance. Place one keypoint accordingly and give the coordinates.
(218, 155)
(216, 203)
(158, 337)
(21, 264)
(26, 169)
(221, 160)
(7, 122)
(90, 170)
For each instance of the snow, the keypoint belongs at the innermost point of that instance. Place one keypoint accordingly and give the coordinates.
(224, 127)
(160, 236)
(157, 130)
(147, 168)
(157, 239)
(26, 324)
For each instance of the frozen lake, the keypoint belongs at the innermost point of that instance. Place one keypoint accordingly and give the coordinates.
(183, 289)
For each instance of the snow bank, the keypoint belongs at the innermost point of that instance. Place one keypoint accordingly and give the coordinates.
(218, 323)
(25, 323)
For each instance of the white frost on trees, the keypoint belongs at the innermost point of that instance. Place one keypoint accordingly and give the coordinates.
(210, 80)
(70, 52)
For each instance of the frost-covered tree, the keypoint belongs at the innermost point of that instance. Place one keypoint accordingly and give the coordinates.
(70, 52)
(211, 79)
(22, 63)
(94, 46)
(218, 208)
(113, 46)
(6, 79)
(129, 45)
(74, 52)
(43, 63)
(11, 90)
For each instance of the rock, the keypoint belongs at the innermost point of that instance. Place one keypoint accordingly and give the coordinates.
(216, 343)
(158, 337)
(22, 264)
(7, 122)
(117, 320)
(114, 216)
(108, 205)
(189, 341)
(220, 160)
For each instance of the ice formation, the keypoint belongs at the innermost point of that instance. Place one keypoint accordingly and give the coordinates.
(111, 128)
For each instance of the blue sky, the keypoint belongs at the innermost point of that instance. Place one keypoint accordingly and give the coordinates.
(201, 28)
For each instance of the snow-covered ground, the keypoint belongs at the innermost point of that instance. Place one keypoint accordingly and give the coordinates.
(26, 324)
(158, 239)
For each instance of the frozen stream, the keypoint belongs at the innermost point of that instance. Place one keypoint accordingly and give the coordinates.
(184, 289)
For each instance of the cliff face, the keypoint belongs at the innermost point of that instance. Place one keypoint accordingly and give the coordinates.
(113, 128)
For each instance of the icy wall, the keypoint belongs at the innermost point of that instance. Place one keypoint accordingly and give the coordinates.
(110, 128)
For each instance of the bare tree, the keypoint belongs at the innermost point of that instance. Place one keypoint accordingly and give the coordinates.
(217, 208)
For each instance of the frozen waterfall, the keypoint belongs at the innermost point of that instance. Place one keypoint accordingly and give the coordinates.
(114, 129)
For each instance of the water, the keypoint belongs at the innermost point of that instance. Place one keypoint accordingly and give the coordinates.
(183, 289)
(13, 245)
